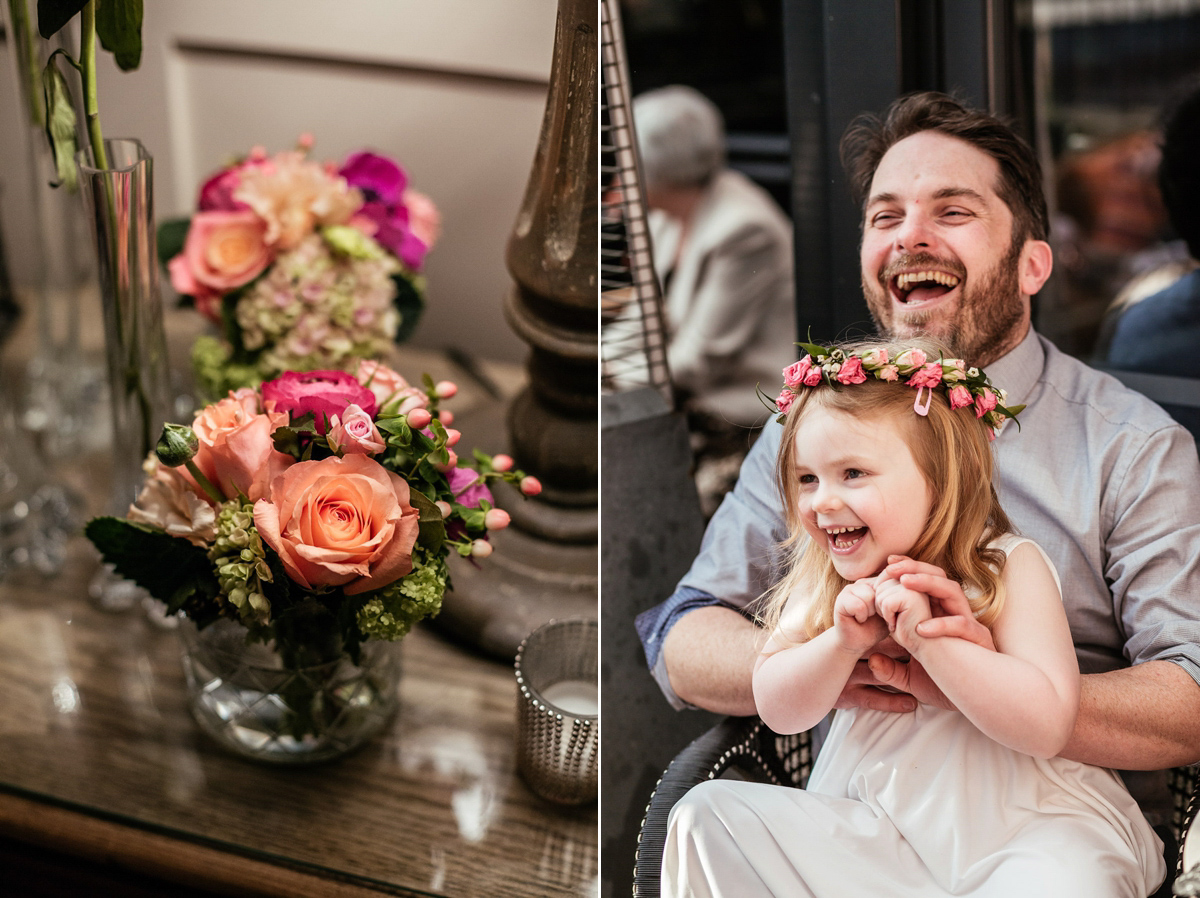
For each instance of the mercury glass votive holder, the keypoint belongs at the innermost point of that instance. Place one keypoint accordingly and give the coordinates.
(558, 725)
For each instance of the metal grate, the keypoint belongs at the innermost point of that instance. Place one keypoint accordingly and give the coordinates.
(633, 337)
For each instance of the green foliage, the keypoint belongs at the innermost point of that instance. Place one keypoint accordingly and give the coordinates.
(409, 302)
(169, 568)
(432, 528)
(60, 121)
(119, 27)
(54, 14)
(172, 234)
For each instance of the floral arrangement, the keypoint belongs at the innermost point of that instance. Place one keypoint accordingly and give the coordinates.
(304, 266)
(966, 387)
(317, 511)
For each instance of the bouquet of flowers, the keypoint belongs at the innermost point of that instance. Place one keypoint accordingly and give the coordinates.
(303, 266)
(316, 511)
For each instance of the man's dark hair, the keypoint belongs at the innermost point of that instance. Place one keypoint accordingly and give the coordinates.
(1178, 173)
(869, 137)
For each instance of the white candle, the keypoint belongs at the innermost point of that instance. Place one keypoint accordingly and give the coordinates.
(578, 698)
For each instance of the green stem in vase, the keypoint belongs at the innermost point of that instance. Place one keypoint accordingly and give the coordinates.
(29, 64)
(87, 61)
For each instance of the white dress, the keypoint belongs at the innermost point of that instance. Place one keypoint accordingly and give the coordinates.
(920, 804)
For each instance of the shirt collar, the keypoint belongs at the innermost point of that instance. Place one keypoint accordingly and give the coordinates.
(1019, 370)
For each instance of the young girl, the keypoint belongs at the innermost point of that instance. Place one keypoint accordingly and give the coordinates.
(886, 473)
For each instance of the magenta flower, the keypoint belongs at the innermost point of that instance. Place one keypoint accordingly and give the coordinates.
(466, 491)
(324, 393)
(378, 177)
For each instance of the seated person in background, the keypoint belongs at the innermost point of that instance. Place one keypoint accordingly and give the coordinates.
(954, 246)
(1159, 334)
(723, 254)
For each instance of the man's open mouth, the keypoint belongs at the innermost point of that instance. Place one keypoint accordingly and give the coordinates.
(926, 285)
(845, 538)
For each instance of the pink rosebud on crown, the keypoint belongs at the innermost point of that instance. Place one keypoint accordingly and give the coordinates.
(794, 374)
(985, 402)
(851, 371)
(929, 375)
(960, 396)
(784, 401)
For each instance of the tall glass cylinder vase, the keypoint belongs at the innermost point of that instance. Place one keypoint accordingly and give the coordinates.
(119, 201)
(58, 403)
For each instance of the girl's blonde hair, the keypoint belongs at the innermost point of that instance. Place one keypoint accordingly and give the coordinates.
(952, 450)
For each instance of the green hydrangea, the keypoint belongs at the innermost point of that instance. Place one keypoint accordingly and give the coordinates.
(216, 373)
(240, 562)
(391, 612)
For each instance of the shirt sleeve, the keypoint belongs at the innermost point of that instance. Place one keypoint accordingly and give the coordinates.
(738, 557)
(1153, 551)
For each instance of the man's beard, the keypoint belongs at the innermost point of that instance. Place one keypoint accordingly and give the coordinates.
(979, 327)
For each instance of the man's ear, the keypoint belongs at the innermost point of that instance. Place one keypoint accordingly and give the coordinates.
(1035, 265)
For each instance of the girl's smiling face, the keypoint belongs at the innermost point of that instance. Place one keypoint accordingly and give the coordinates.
(860, 493)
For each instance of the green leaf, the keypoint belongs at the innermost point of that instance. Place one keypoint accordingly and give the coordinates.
(813, 349)
(169, 568)
(172, 234)
(60, 121)
(409, 302)
(119, 27)
(54, 14)
(433, 529)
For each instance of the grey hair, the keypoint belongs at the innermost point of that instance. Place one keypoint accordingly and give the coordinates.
(680, 135)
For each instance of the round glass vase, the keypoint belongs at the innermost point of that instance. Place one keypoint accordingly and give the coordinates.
(245, 697)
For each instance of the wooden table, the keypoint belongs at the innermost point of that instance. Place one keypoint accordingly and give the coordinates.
(99, 757)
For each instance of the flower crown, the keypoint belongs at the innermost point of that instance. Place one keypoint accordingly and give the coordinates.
(965, 387)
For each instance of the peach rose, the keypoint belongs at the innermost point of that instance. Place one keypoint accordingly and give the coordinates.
(339, 522)
(224, 250)
(236, 451)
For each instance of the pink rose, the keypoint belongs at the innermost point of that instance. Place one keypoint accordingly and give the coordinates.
(910, 358)
(208, 302)
(960, 396)
(794, 374)
(984, 403)
(225, 250)
(236, 451)
(390, 387)
(926, 376)
(216, 194)
(324, 393)
(784, 401)
(340, 522)
(354, 433)
(876, 358)
(423, 217)
(851, 371)
(954, 370)
(890, 373)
